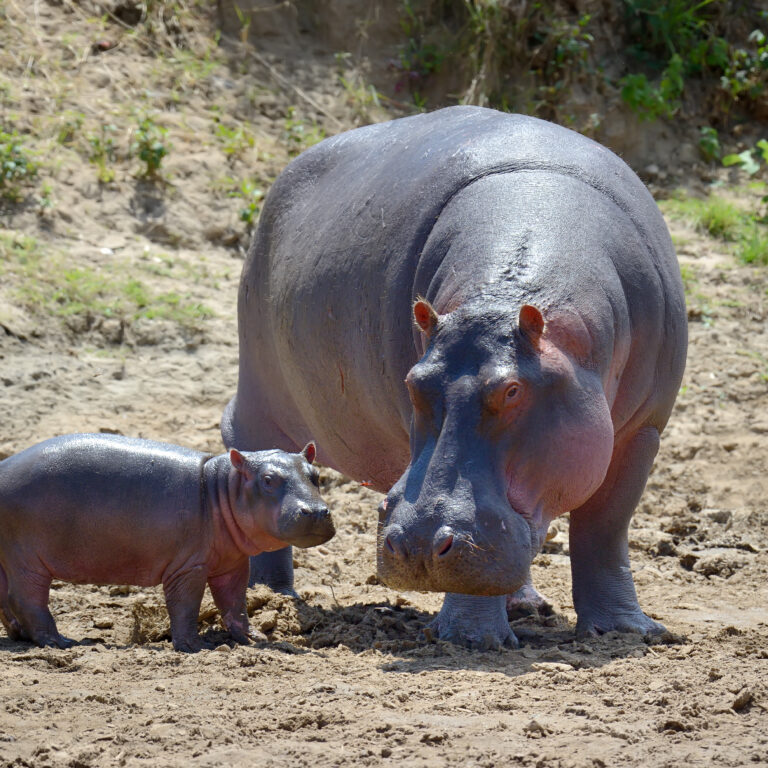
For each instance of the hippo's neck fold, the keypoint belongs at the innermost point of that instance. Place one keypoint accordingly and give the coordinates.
(223, 486)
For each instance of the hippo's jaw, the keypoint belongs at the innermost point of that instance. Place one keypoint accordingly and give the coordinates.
(420, 550)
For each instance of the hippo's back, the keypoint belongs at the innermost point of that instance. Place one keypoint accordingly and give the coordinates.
(326, 332)
(80, 472)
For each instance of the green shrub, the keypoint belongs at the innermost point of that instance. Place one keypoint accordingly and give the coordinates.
(16, 166)
(149, 146)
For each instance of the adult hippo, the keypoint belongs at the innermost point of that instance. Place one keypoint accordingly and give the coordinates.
(546, 355)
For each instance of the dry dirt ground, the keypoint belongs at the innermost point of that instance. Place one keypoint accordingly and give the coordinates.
(345, 678)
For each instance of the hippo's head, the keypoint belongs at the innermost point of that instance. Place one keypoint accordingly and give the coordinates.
(508, 431)
(279, 497)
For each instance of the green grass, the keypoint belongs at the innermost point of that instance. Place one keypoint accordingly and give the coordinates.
(724, 220)
(45, 284)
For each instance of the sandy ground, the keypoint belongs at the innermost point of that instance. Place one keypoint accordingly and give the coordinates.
(345, 678)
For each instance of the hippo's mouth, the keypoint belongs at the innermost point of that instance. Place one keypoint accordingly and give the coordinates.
(454, 563)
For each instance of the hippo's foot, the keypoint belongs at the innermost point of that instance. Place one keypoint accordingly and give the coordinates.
(275, 569)
(54, 641)
(528, 601)
(475, 622)
(188, 644)
(598, 623)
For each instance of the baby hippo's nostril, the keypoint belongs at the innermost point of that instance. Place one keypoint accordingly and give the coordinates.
(319, 512)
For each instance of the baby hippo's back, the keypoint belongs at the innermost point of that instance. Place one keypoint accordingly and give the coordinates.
(101, 508)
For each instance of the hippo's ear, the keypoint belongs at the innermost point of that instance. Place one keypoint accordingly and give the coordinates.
(425, 315)
(238, 462)
(309, 452)
(531, 323)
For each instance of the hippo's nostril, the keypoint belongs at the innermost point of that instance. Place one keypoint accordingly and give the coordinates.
(388, 544)
(442, 547)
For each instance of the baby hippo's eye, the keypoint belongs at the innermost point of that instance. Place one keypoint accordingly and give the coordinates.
(315, 478)
(511, 393)
(270, 483)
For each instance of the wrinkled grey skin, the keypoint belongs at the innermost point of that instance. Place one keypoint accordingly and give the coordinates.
(540, 371)
(107, 509)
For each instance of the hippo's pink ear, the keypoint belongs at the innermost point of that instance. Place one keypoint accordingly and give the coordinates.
(238, 462)
(531, 323)
(309, 452)
(425, 315)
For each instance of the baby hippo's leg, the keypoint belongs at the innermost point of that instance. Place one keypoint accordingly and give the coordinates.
(183, 596)
(228, 592)
(9, 621)
(28, 608)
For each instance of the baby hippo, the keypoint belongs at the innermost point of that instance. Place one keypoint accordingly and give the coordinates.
(107, 509)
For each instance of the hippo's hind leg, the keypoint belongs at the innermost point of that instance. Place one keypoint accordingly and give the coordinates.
(603, 590)
(275, 569)
(7, 617)
(27, 602)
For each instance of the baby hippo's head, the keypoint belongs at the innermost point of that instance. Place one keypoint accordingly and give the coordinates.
(285, 487)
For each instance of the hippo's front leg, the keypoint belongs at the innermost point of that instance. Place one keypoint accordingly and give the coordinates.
(228, 591)
(183, 596)
(603, 590)
(474, 621)
(275, 569)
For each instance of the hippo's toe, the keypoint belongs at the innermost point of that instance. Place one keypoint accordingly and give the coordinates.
(478, 623)
(528, 601)
(188, 644)
(636, 622)
(55, 641)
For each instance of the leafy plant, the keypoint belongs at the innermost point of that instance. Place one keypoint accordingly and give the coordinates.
(235, 140)
(298, 134)
(709, 143)
(252, 196)
(16, 166)
(651, 102)
(103, 152)
(149, 146)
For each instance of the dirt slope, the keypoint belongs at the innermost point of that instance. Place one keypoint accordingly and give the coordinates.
(345, 678)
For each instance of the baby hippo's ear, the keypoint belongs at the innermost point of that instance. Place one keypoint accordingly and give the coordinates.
(238, 462)
(309, 452)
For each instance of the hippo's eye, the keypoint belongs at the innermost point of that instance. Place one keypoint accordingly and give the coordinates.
(511, 393)
(315, 478)
(268, 482)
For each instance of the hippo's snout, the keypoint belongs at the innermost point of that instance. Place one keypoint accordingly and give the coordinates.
(429, 553)
(306, 524)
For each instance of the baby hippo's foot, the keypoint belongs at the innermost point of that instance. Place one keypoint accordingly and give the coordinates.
(597, 623)
(248, 636)
(479, 623)
(528, 601)
(13, 629)
(49, 640)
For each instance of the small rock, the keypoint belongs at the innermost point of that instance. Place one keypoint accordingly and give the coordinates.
(223, 648)
(536, 728)
(103, 623)
(268, 621)
(551, 667)
(743, 699)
